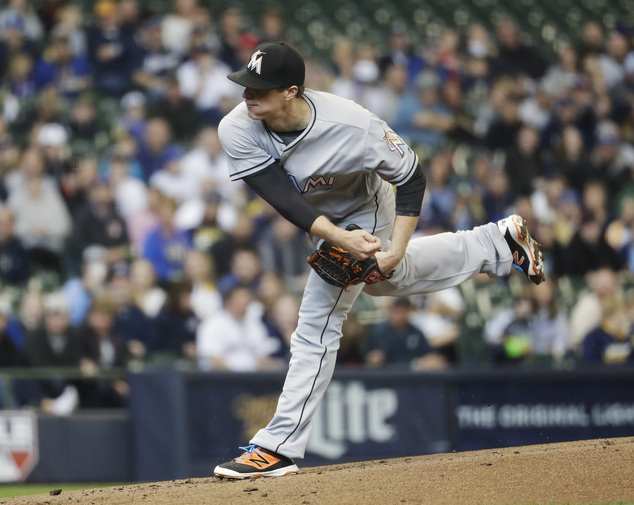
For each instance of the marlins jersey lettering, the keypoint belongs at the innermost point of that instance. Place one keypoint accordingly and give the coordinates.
(341, 161)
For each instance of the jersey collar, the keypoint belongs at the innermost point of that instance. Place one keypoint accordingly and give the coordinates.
(311, 123)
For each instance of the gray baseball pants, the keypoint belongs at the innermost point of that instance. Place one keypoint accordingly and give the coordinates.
(430, 264)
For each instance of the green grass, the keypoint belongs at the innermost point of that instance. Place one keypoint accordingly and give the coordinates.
(9, 490)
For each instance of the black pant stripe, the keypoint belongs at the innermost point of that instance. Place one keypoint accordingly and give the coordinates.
(321, 338)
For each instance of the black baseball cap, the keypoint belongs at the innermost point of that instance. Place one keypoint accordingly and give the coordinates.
(272, 65)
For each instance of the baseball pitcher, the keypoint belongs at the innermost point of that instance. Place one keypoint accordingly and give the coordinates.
(329, 166)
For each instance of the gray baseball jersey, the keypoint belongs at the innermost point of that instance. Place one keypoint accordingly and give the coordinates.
(341, 161)
(345, 163)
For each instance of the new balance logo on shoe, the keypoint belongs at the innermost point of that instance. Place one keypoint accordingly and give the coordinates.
(259, 460)
(526, 252)
(517, 260)
(256, 462)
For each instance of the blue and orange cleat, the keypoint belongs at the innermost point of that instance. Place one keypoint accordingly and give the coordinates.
(256, 462)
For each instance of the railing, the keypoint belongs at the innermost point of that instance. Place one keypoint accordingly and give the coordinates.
(8, 376)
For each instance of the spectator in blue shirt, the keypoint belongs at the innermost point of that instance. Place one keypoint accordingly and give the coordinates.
(134, 322)
(497, 198)
(166, 246)
(70, 74)
(176, 324)
(132, 120)
(611, 342)
(112, 51)
(398, 342)
(155, 148)
(246, 270)
(80, 291)
(440, 201)
(10, 354)
(401, 52)
(422, 116)
(13, 40)
(20, 79)
(155, 63)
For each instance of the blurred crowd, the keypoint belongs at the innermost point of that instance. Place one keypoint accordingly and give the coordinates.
(123, 241)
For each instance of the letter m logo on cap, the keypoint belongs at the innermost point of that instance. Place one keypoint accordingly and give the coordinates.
(255, 63)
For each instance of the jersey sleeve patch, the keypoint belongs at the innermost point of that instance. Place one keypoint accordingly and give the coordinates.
(394, 142)
(394, 164)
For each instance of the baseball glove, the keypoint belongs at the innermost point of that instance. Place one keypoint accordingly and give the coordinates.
(338, 267)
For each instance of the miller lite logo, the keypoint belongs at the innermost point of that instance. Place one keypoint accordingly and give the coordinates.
(18, 445)
(351, 414)
(255, 63)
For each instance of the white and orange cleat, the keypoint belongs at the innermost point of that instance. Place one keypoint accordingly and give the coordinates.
(527, 254)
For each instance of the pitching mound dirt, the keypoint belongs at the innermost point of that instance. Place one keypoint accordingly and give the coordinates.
(586, 472)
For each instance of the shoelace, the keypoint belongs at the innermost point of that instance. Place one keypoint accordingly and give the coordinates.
(248, 451)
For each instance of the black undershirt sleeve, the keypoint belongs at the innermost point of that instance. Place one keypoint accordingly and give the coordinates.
(274, 185)
(409, 196)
